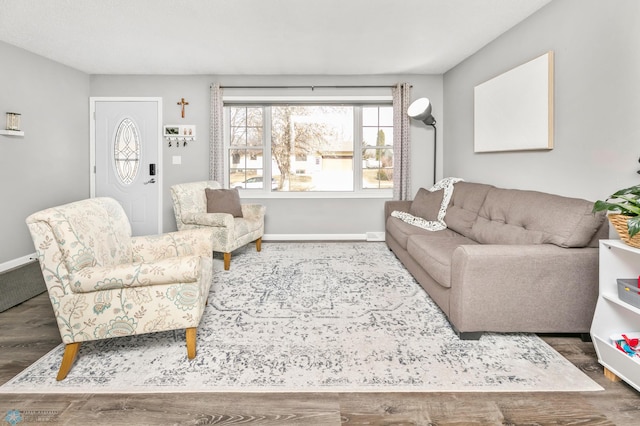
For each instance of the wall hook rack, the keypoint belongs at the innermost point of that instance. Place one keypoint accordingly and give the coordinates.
(177, 135)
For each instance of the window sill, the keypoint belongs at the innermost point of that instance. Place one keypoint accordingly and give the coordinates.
(249, 194)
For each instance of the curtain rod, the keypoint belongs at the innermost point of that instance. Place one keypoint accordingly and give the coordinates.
(312, 87)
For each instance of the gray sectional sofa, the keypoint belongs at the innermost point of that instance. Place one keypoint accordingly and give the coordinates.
(508, 261)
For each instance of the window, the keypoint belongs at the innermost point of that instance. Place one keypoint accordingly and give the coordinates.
(126, 151)
(246, 145)
(377, 152)
(309, 147)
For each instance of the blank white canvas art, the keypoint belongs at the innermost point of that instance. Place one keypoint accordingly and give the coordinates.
(514, 111)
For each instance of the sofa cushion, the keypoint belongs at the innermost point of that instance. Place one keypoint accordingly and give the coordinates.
(464, 206)
(434, 253)
(401, 231)
(426, 204)
(511, 216)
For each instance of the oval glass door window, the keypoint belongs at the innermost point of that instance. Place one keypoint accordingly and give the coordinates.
(127, 151)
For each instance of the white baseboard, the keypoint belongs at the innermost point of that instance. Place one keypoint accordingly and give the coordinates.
(369, 236)
(375, 236)
(11, 264)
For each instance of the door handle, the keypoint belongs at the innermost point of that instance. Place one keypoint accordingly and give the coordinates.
(152, 180)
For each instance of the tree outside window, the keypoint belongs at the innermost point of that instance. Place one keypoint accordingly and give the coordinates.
(311, 147)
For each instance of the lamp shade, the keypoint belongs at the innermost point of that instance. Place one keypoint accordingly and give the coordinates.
(420, 110)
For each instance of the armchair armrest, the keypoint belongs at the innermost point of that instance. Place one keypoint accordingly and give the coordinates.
(197, 241)
(208, 219)
(542, 287)
(253, 210)
(184, 269)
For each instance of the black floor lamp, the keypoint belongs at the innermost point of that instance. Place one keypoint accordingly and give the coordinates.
(420, 110)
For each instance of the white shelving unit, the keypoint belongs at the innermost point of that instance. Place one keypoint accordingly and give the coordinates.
(612, 315)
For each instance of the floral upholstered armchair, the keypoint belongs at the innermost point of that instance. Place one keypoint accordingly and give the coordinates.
(229, 232)
(104, 283)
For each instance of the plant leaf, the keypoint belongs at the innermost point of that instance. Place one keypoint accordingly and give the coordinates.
(603, 205)
(630, 205)
(623, 208)
(633, 225)
(634, 190)
(625, 201)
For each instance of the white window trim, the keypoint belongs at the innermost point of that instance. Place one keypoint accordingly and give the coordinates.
(265, 193)
(303, 99)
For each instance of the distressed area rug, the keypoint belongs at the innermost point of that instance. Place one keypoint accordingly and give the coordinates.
(312, 317)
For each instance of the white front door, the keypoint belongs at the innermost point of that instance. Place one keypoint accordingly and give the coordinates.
(126, 154)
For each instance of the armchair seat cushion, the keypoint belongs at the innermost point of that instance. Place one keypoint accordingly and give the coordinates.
(185, 269)
(187, 242)
(224, 220)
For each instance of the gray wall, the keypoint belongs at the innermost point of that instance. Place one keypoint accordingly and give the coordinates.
(294, 217)
(49, 165)
(597, 66)
(597, 100)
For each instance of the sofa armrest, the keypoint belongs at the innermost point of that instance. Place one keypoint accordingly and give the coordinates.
(400, 205)
(184, 269)
(197, 241)
(545, 288)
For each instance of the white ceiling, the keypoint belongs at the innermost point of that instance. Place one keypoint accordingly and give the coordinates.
(250, 37)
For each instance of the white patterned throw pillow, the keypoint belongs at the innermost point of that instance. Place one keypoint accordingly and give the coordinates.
(445, 184)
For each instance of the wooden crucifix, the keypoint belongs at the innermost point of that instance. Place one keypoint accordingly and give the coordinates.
(183, 103)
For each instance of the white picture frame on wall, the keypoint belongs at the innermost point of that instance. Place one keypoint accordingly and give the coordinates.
(514, 111)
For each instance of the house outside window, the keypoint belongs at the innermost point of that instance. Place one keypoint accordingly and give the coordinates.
(306, 148)
(245, 144)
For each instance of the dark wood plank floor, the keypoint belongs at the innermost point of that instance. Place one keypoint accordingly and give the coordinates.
(28, 331)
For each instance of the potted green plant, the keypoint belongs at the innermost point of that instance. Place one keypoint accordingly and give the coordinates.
(624, 213)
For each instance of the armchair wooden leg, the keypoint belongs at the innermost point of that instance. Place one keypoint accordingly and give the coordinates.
(70, 352)
(259, 244)
(191, 342)
(227, 261)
